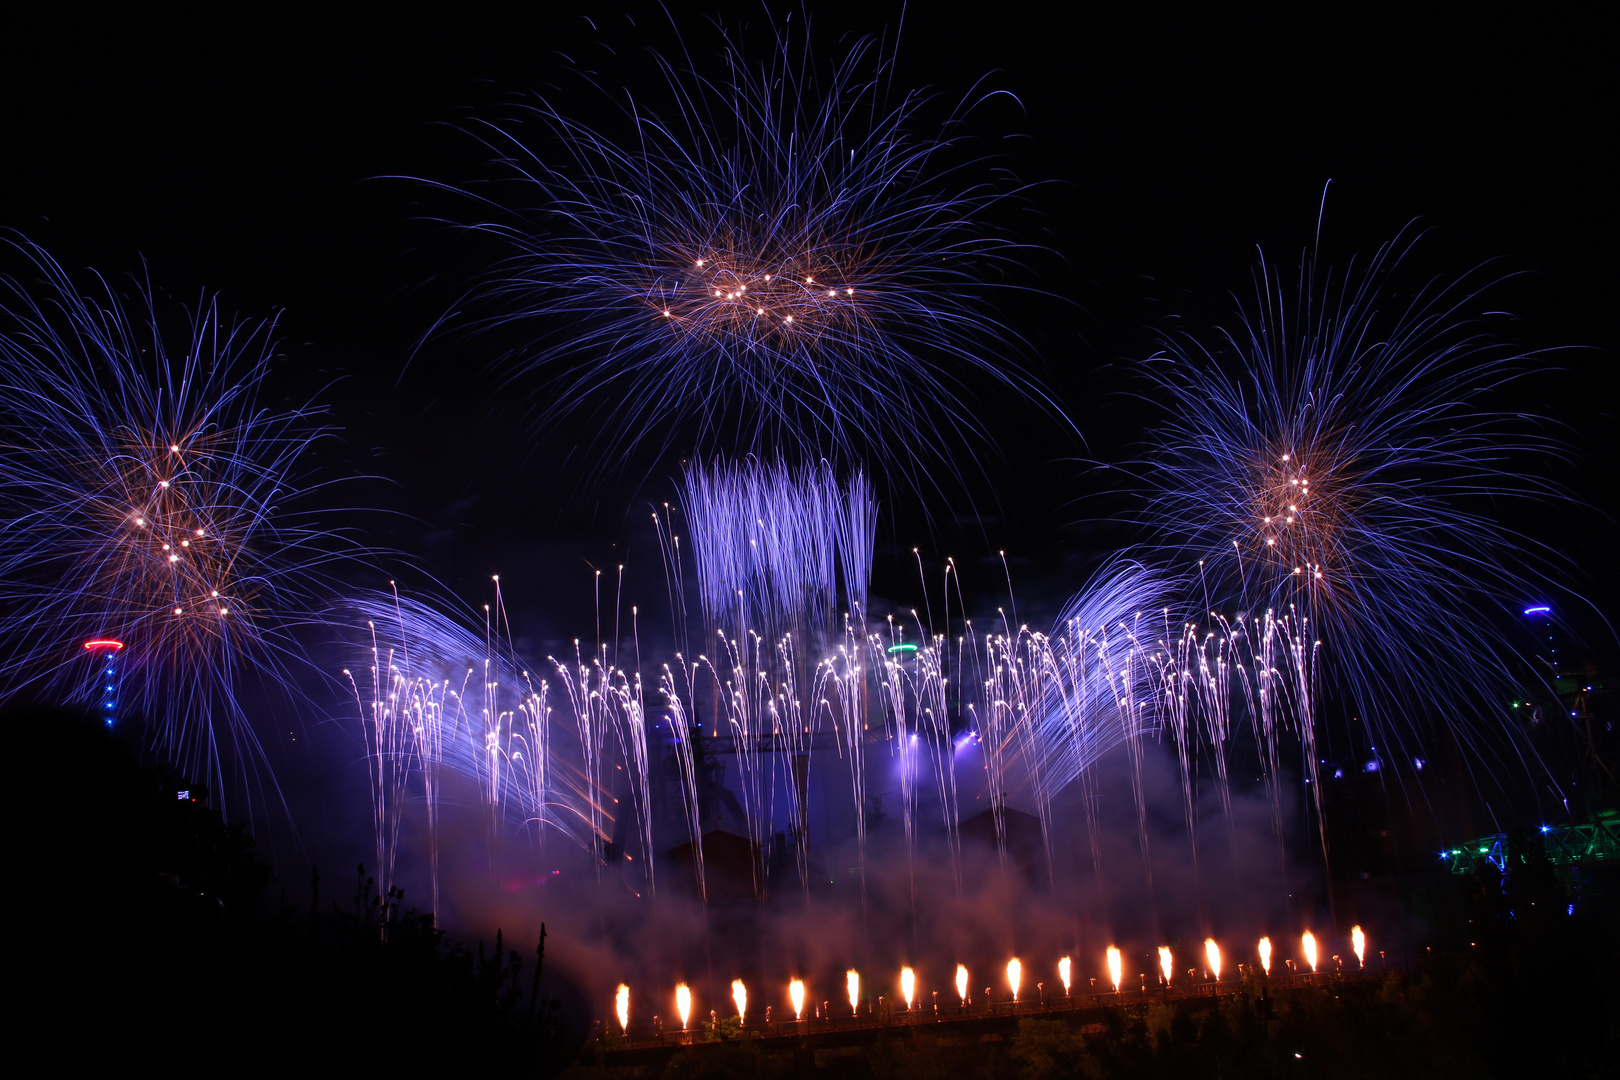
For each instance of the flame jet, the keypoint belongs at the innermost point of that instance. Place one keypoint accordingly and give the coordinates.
(796, 996)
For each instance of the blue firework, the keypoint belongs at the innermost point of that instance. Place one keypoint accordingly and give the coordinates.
(1350, 456)
(152, 497)
(784, 255)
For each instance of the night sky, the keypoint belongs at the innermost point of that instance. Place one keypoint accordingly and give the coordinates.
(249, 150)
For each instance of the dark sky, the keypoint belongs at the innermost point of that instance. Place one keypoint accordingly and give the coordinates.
(236, 147)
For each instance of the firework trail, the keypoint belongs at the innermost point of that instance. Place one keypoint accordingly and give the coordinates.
(152, 495)
(775, 254)
(777, 552)
(1050, 705)
(773, 550)
(1339, 464)
(772, 544)
(440, 698)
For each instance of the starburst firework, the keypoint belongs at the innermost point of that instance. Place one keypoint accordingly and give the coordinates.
(784, 256)
(151, 495)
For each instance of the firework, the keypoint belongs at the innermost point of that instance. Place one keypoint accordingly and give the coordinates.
(776, 252)
(439, 696)
(1344, 457)
(772, 544)
(154, 495)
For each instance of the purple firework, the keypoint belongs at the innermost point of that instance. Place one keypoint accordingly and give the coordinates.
(784, 255)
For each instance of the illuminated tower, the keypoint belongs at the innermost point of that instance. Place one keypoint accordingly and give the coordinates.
(102, 683)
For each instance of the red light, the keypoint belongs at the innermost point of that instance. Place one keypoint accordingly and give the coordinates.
(109, 644)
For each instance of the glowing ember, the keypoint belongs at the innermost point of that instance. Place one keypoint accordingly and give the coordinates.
(1166, 962)
(739, 994)
(1116, 967)
(852, 980)
(621, 1005)
(796, 995)
(1309, 942)
(1358, 942)
(683, 1003)
(1265, 954)
(1065, 969)
(1015, 975)
(1212, 953)
(908, 984)
(961, 982)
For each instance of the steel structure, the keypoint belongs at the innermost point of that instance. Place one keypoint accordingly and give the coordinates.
(1565, 845)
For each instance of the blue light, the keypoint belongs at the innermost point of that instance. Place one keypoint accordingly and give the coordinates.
(1544, 828)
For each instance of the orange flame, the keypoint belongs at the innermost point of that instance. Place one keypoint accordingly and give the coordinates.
(683, 1003)
(621, 1005)
(961, 981)
(796, 995)
(1265, 954)
(1015, 975)
(1358, 942)
(908, 984)
(852, 981)
(1309, 942)
(1116, 968)
(739, 994)
(1212, 953)
(1065, 968)
(1166, 962)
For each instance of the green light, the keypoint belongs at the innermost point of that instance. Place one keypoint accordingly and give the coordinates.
(903, 648)
(1484, 851)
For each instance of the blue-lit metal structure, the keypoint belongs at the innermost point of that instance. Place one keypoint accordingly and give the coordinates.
(1565, 845)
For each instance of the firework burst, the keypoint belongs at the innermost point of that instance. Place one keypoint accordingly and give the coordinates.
(1346, 456)
(785, 255)
(151, 496)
